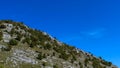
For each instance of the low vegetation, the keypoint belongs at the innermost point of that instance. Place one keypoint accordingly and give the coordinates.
(1, 35)
(47, 49)
(13, 42)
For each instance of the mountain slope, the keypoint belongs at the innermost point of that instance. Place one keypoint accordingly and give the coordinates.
(23, 47)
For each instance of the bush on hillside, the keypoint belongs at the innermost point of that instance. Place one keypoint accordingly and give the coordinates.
(80, 64)
(8, 48)
(106, 63)
(55, 66)
(18, 37)
(96, 63)
(13, 42)
(2, 26)
(1, 35)
(47, 46)
(64, 56)
(41, 56)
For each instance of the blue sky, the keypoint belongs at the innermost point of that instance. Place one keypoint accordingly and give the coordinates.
(91, 25)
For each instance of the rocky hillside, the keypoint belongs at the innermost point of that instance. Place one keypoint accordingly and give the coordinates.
(23, 47)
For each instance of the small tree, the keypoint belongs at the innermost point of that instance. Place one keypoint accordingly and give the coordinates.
(32, 44)
(40, 57)
(64, 56)
(8, 48)
(1, 35)
(53, 53)
(27, 40)
(2, 26)
(80, 64)
(44, 56)
(86, 61)
(47, 46)
(18, 37)
(44, 64)
(13, 42)
(55, 66)
(2, 66)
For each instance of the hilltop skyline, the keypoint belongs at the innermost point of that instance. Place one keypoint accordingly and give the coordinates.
(92, 26)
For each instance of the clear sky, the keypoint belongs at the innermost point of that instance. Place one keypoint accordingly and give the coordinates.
(91, 25)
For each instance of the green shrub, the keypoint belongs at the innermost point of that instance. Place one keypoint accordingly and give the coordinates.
(64, 56)
(13, 42)
(41, 56)
(44, 64)
(86, 61)
(44, 55)
(2, 26)
(32, 45)
(74, 58)
(47, 46)
(80, 64)
(106, 63)
(8, 48)
(96, 63)
(21, 26)
(54, 54)
(12, 31)
(2, 66)
(27, 40)
(7, 21)
(1, 35)
(55, 66)
(18, 37)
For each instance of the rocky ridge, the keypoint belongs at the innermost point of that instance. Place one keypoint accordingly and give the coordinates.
(24, 47)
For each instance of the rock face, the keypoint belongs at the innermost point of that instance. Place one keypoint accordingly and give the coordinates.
(23, 47)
